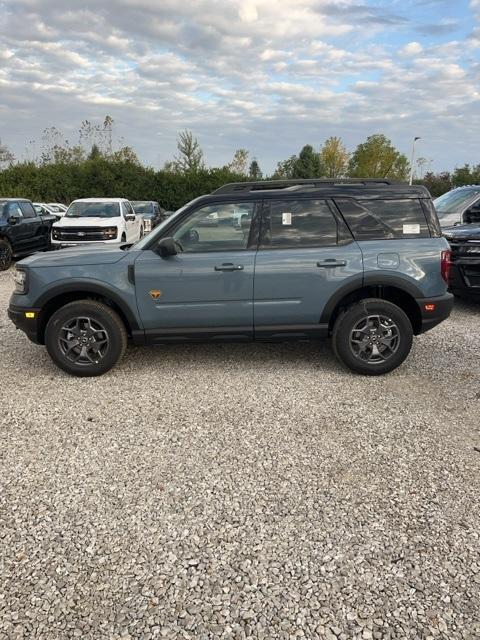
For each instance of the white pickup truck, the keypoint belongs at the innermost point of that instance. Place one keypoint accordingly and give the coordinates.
(103, 220)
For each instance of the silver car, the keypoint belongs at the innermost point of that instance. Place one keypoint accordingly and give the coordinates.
(459, 206)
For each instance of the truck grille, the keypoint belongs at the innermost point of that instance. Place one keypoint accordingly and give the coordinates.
(466, 257)
(80, 234)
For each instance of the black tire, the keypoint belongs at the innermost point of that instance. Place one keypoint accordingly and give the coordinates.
(68, 338)
(6, 254)
(369, 346)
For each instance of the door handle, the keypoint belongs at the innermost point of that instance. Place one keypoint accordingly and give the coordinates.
(331, 262)
(229, 266)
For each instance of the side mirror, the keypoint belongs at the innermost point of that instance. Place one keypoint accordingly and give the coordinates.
(166, 247)
(14, 218)
(130, 216)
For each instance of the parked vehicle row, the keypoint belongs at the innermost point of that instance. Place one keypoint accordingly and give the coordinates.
(26, 227)
(363, 263)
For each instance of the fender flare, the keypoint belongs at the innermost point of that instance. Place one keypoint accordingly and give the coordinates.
(89, 286)
(372, 279)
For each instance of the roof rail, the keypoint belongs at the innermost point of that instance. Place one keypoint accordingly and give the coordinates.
(263, 185)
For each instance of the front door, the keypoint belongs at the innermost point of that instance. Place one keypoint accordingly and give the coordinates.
(206, 290)
(305, 255)
(28, 231)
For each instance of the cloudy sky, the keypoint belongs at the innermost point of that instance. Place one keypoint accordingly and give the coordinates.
(267, 75)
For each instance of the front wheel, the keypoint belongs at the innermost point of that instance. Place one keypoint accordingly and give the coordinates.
(85, 338)
(372, 337)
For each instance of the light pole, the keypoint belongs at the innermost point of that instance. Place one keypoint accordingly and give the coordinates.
(413, 159)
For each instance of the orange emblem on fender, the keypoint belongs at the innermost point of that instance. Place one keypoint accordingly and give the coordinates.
(155, 294)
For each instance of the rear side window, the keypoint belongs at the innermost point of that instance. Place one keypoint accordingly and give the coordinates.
(384, 219)
(27, 210)
(298, 223)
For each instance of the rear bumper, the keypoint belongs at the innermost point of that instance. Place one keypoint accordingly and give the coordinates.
(30, 326)
(434, 310)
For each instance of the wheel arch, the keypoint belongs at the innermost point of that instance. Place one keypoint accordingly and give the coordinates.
(63, 294)
(402, 293)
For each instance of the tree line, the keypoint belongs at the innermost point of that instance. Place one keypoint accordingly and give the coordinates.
(100, 164)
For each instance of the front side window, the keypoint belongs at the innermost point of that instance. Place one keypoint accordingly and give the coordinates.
(28, 210)
(93, 210)
(216, 227)
(13, 209)
(298, 223)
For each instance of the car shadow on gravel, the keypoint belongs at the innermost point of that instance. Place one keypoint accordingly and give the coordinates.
(314, 355)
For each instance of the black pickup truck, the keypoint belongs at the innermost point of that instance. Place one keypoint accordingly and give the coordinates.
(22, 230)
(464, 278)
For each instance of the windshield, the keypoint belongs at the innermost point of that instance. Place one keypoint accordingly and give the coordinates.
(142, 207)
(454, 201)
(93, 210)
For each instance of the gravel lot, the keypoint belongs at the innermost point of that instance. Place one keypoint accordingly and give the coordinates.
(241, 491)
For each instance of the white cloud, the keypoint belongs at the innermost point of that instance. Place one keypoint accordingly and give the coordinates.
(411, 49)
(261, 74)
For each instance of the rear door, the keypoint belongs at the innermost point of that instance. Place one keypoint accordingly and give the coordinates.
(305, 255)
(206, 290)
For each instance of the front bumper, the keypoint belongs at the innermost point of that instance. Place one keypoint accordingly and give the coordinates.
(434, 310)
(465, 277)
(29, 325)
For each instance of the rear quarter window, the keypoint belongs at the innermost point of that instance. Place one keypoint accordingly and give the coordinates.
(384, 219)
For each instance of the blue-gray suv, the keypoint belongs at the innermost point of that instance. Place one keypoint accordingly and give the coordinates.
(362, 261)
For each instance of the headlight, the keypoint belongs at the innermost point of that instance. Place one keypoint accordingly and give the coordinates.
(55, 233)
(20, 278)
(147, 225)
(110, 233)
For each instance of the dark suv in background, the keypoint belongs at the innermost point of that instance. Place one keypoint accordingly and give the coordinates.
(23, 230)
(152, 213)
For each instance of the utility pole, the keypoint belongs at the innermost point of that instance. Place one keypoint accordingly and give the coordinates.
(413, 159)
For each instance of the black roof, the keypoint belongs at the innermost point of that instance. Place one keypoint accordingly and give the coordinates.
(359, 188)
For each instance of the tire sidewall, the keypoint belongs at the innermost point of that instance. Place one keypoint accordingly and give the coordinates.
(5, 245)
(347, 321)
(98, 312)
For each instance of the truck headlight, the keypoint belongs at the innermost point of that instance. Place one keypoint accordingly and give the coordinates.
(147, 225)
(21, 281)
(55, 233)
(110, 233)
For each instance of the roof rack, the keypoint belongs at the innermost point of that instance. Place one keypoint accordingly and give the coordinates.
(264, 185)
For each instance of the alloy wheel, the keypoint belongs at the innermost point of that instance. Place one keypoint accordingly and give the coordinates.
(83, 341)
(375, 339)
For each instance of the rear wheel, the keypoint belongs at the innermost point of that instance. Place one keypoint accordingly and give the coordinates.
(372, 337)
(85, 338)
(6, 254)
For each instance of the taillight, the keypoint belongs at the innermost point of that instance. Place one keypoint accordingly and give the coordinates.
(446, 264)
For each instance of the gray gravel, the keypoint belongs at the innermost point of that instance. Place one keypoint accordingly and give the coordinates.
(241, 491)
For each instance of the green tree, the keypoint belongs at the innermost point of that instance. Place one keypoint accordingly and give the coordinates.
(437, 183)
(334, 158)
(378, 158)
(466, 175)
(286, 168)
(190, 155)
(239, 162)
(308, 164)
(254, 171)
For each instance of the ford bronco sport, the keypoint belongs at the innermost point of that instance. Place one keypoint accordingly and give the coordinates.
(361, 261)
